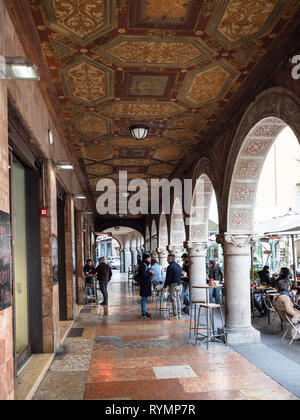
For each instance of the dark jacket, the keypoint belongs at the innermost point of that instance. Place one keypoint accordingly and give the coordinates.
(173, 275)
(186, 267)
(216, 274)
(264, 277)
(89, 270)
(103, 272)
(144, 274)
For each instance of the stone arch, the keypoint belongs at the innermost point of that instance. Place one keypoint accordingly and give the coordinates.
(272, 111)
(163, 235)
(154, 236)
(200, 207)
(177, 229)
(147, 239)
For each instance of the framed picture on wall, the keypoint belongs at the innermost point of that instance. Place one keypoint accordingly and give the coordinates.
(5, 261)
(55, 258)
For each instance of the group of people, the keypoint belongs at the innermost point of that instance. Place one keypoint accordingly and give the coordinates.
(286, 299)
(103, 273)
(150, 274)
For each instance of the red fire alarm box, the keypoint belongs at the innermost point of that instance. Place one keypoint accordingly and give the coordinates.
(44, 212)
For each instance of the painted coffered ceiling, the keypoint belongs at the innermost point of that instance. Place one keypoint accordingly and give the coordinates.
(171, 64)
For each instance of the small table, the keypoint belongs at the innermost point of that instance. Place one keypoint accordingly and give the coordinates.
(207, 289)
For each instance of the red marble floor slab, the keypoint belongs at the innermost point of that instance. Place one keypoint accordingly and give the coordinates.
(189, 351)
(140, 362)
(118, 375)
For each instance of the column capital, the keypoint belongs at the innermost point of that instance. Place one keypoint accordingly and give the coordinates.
(235, 243)
(175, 249)
(196, 249)
(162, 252)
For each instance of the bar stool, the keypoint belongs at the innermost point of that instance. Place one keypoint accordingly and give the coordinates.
(193, 313)
(211, 334)
(159, 307)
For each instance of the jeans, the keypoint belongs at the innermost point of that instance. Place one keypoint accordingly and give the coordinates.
(103, 289)
(143, 305)
(186, 294)
(175, 292)
(218, 296)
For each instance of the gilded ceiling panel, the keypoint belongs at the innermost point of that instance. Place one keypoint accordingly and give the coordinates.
(159, 85)
(98, 169)
(160, 169)
(92, 125)
(82, 21)
(234, 22)
(164, 14)
(98, 152)
(168, 153)
(208, 84)
(125, 109)
(170, 52)
(87, 81)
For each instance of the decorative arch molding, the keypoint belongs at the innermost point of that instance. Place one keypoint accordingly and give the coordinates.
(163, 232)
(154, 235)
(177, 227)
(147, 239)
(197, 223)
(271, 112)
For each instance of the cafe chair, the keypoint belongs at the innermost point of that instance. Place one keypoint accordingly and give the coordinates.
(293, 328)
(273, 315)
(193, 310)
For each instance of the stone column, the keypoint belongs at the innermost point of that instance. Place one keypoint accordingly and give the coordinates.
(154, 254)
(70, 278)
(178, 251)
(197, 252)
(139, 252)
(162, 257)
(134, 254)
(127, 259)
(236, 251)
(122, 265)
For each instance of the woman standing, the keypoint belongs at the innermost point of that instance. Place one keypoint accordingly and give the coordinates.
(144, 274)
(216, 277)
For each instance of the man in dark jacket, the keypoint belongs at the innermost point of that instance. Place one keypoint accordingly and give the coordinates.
(144, 274)
(89, 271)
(103, 273)
(173, 281)
(264, 276)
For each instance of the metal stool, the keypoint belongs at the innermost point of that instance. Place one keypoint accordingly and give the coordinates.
(159, 303)
(193, 311)
(211, 333)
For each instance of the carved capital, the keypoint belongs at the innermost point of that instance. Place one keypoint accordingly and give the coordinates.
(197, 249)
(162, 253)
(235, 243)
(175, 249)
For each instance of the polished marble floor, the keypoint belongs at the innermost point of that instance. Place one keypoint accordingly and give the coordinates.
(111, 353)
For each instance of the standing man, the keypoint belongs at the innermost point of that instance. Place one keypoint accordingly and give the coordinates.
(187, 262)
(173, 281)
(103, 273)
(89, 271)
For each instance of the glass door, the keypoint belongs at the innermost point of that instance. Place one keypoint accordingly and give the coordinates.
(20, 277)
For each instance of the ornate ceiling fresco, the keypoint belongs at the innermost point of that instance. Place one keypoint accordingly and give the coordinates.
(170, 64)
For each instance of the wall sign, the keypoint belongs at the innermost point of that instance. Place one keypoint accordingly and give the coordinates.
(5, 261)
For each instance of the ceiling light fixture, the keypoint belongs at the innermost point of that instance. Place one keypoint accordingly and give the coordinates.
(139, 132)
(18, 68)
(80, 196)
(63, 165)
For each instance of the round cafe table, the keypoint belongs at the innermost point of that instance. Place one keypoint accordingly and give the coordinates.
(220, 286)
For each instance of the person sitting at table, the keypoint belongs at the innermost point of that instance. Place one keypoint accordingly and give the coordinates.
(283, 303)
(187, 262)
(215, 276)
(284, 274)
(264, 276)
(89, 272)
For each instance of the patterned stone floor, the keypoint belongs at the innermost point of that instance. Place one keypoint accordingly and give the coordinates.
(111, 353)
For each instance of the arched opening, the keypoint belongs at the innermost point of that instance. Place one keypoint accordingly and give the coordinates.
(177, 230)
(147, 240)
(163, 236)
(154, 236)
